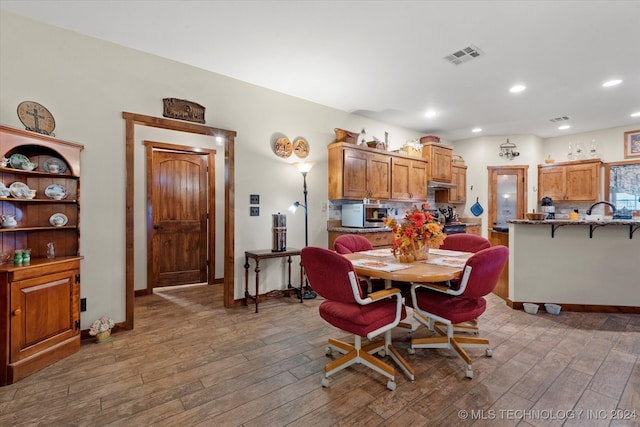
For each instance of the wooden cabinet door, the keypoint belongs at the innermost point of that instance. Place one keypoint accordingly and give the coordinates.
(408, 179)
(441, 163)
(44, 312)
(400, 178)
(418, 181)
(582, 182)
(551, 182)
(461, 184)
(354, 169)
(379, 176)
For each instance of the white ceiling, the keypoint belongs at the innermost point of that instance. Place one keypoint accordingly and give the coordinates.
(384, 59)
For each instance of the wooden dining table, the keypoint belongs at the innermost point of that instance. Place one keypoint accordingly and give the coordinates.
(375, 264)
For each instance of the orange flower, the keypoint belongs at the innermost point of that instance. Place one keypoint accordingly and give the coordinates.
(416, 230)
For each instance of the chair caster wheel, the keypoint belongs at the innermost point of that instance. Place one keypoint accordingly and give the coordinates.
(391, 385)
(328, 351)
(325, 382)
(411, 350)
(469, 373)
(488, 352)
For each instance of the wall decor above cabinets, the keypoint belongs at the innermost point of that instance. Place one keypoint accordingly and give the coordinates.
(182, 109)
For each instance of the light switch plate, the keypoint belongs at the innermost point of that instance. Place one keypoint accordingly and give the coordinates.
(254, 211)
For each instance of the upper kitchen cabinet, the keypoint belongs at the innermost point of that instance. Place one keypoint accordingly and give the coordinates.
(438, 159)
(576, 181)
(459, 193)
(408, 179)
(356, 173)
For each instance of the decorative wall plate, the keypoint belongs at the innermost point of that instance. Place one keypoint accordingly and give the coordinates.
(19, 190)
(16, 160)
(283, 147)
(301, 148)
(58, 220)
(36, 118)
(56, 191)
(62, 166)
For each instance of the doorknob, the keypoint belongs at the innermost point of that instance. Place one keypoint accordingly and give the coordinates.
(156, 227)
(17, 311)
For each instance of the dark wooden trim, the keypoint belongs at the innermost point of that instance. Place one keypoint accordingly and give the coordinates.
(586, 308)
(132, 119)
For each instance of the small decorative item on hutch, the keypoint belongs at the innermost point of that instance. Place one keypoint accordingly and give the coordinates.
(414, 235)
(101, 329)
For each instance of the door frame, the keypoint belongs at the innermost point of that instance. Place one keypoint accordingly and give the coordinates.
(522, 198)
(153, 146)
(228, 136)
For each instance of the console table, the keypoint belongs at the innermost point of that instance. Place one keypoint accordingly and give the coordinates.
(259, 255)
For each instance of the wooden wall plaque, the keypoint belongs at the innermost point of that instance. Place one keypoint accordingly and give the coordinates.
(183, 110)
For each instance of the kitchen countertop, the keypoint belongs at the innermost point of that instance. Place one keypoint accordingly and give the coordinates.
(354, 230)
(579, 222)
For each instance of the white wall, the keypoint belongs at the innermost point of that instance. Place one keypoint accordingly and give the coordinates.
(87, 84)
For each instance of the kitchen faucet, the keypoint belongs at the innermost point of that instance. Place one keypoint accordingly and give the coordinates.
(613, 208)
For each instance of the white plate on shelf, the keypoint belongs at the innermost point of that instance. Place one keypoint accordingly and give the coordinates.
(62, 166)
(19, 190)
(58, 220)
(56, 192)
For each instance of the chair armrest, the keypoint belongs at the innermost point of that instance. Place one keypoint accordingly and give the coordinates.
(384, 293)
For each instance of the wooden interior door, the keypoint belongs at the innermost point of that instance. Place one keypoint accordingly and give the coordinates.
(178, 218)
(507, 194)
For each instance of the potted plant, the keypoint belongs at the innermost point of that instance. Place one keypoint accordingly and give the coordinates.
(414, 235)
(101, 329)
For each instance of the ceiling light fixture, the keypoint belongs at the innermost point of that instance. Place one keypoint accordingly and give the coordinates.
(476, 130)
(517, 88)
(611, 83)
(636, 114)
(564, 127)
(430, 114)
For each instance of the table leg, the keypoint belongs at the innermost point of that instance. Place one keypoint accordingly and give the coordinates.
(246, 280)
(257, 270)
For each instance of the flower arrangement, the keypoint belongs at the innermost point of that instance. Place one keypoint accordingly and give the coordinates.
(417, 232)
(103, 324)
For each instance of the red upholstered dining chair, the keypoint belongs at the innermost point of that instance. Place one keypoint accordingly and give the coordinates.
(465, 243)
(440, 308)
(351, 243)
(333, 277)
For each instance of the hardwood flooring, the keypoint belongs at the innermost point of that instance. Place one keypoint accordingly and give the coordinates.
(191, 362)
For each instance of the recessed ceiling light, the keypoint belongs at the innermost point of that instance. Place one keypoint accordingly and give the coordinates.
(476, 130)
(564, 127)
(610, 83)
(636, 114)
(430, 114)
(517, 88)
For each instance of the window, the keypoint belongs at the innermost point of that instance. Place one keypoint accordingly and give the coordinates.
(622, 180)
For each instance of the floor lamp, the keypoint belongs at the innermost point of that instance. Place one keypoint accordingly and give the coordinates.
(304, 168)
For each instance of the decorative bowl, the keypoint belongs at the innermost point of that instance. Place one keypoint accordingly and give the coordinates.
(552, 308)
(535, 216)
(531, 308)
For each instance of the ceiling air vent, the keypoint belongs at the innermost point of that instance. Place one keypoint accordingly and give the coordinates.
(560, 119)
(464, 55)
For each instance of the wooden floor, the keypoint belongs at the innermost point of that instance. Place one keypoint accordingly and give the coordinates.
(189, 361)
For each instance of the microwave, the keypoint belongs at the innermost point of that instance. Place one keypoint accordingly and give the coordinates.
(362, 215)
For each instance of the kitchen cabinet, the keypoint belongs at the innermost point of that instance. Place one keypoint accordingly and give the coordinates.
(577, 181)
(502, 287)
(474, 229)
(408, 179)
(458, 194)
(357, 172)
(438, 159)
(378, 239)
(40, 298)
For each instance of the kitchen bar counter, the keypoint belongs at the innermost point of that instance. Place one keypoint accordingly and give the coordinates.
(588, 265)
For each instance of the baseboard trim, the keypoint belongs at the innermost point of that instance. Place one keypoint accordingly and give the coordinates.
(587, 308)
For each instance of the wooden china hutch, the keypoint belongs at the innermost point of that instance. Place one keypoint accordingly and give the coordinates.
(40, 298)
